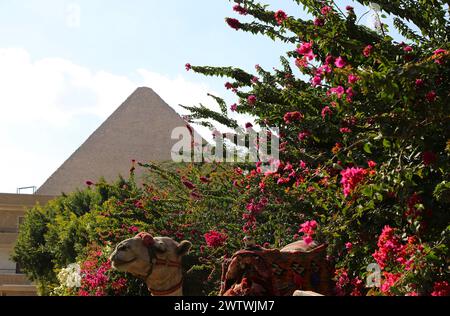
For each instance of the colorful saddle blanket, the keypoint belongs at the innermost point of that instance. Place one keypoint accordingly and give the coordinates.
(270, 272)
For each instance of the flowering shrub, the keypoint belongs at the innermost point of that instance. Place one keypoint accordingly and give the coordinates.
(364, 164)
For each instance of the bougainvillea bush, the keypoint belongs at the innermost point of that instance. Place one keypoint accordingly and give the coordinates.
(365, 138)
(364, 164)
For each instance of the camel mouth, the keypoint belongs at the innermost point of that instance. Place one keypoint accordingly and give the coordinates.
(118, 262)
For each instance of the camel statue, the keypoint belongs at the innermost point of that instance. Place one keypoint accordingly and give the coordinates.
(156, 260)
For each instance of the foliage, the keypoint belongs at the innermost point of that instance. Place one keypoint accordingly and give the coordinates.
(364, 163)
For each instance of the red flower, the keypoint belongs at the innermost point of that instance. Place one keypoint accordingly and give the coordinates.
(233, 23)
(280, 16)
(215, 239)
(372, 164)
(326, 9)
(188, 67)
(441, 288)
(89, 183)
(431, 96)
(233, 107)
(241, 10)
(319, 22)
(188, 184)
(292, 116)
(251, 100)
(368, 50)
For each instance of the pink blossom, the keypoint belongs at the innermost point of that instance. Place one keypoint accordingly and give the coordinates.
(248, 125)
(350, 94)
(339, 91)
(408, 49)
(290, 117)
(251, 100)
(329, 60)
(351, 177)
(301, 62)
(280, 16)
(317, 80)
(325, 10)
(349, 8)
(215, 239)
(340, 62)
(188, 67)
(431, 96)
(326, 111)
(241, 10)
(228, 86)
(255, 80)
(352, 78)
(305, 49)
(233, 107)
(372, 164)
(419, 83)
(319, 22)
(308, 239)
(348, 246)
(303, 135)
(368, 50)
(233, 23)
(188, 184)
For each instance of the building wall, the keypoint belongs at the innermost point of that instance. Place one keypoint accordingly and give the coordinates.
(13, 207)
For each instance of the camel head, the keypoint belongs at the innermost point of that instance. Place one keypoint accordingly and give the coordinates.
(157, 260)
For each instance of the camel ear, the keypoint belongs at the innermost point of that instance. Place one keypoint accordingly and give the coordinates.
(183, 247)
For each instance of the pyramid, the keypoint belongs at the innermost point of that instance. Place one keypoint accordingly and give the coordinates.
(139, 129)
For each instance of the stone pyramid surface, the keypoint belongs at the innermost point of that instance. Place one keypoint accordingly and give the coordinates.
(139, 129)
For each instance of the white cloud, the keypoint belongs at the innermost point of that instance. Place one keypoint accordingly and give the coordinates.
(52, 97)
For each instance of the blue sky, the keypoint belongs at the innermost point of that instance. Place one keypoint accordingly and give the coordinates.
(65, 66)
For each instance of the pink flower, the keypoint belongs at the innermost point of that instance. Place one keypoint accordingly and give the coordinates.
(233, 23)
(255, 80)
(439, 51)
(204, 179)
(325, 10)
(340, 62)
(248, 125)
(348, 246)
(290, 117)
(371, 164)
(233, 107)
(215, 239)
(89, 183)
(431, 96)
(280, 16)
(188, 67)
(368, 50)
(326, 111)
(352, 79)
(389, 281)
(308, 239)
(319, 22)
(329, 60)
(339, 91)
(351, 177)
(419, 83)
(228, 86)
(251, 100)
(303, 135)
(305, 49)
(407, 49)
(188, 184)
(301, 62)
(349, 8)
(241, 10)
(350, 94)
(317, 80)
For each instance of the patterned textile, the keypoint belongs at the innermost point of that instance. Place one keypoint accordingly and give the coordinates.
(257, 271)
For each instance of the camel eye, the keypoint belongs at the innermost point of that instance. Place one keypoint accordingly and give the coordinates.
(123, 247)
